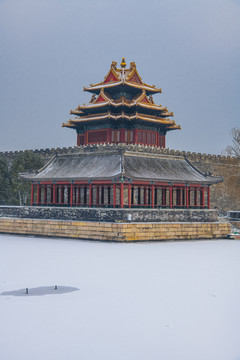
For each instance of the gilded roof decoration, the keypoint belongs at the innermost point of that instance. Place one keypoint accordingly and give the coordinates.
(122, 95)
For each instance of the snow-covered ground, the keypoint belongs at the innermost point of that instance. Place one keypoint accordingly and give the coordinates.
(138, 301)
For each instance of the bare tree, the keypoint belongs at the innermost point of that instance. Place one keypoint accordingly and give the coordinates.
(234, 149)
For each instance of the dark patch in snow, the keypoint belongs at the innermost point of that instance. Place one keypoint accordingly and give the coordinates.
(41, 290)
(213, 295)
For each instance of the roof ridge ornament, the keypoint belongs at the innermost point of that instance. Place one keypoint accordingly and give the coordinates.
(123, 63)
(114, 65)
(132, 65)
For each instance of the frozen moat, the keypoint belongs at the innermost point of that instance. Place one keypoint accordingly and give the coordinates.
(165, 300)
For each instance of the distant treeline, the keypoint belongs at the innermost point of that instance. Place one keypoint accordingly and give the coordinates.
(15, 191)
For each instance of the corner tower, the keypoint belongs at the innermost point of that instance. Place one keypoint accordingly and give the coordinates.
(122, 110)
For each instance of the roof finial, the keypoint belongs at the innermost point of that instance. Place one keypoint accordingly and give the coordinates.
(123, 64)
(114, 65)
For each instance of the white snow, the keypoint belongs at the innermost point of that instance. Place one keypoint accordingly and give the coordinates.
(138, 301)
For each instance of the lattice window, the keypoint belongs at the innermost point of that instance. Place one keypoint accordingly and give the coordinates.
(147, 137)
(162, 141)
(130, 136)
(126, 136)
(98, 136)
(81, 139)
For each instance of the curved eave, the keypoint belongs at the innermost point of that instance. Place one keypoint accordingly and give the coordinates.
(82, 108)
(147, 88)
(30, 176)
(207, 181)
(154, 119)
(153, 107)
(97, 88)
(68, 125)
(174, 127)
(89, 106)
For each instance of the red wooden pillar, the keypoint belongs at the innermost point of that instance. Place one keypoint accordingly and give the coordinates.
(32, 194)
(71, 194)
(54, 194)
(170, 196)
(121, 195)
(114, 195)
(129, 195)
(187, 196)
(208, 192)
(90, 195)
(152, 195)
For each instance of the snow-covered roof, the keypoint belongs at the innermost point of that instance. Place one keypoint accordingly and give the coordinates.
(107, 165)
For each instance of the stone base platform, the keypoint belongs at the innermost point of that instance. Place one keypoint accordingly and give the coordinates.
(121, 232)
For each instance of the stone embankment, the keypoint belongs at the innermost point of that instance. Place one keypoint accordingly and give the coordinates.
(120, 232)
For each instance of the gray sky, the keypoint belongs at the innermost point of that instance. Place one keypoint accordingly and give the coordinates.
(50, 49)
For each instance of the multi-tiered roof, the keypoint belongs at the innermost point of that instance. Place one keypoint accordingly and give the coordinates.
(121, 173)
(123, 102)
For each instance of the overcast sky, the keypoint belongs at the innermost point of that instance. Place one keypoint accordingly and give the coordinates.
(50, 49)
